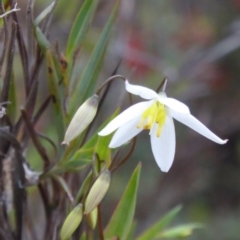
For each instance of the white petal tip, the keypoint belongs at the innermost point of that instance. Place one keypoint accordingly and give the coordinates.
(164, 170)
(224, 141)
(101, 133)
(111, 146)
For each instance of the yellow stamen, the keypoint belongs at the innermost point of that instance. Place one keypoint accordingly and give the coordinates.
(156, 113)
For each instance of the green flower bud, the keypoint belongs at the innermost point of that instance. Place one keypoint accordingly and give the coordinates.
(92, 218)
(98, 191)
(82, 118)
(71, 223)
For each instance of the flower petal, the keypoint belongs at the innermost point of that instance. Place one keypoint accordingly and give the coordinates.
(174, 104)
(196, 125)
(125, 117)
(126, 133)
(143, 92)
(163, 147)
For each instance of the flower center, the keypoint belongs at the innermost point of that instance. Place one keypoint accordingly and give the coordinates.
(156, 113)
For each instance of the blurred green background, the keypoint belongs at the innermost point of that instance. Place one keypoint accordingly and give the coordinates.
(195, 44)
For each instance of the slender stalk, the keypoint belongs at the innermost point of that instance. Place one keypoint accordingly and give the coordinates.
(108, 81)
(35, 139)
(5, 37)
(23, 51)
(41, 109)
(126, 157)
(100, 226)
(30, 30)
(10, 57)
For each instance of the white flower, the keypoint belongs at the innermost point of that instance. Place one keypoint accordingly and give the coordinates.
(157, 115)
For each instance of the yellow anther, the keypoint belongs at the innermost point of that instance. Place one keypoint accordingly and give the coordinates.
(156, 113)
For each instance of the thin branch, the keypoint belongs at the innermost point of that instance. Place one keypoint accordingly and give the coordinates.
(23, 52)
(35, 139)
(115, 158)
(5, 37)
(45, 200)
(126, 157)
(4, 134)
(10, 57)
(108, 81)
(113, 76)
(15, 9)
(49, 140)
(41, 109)
(100, 226)
(31, 98)
(30, 30)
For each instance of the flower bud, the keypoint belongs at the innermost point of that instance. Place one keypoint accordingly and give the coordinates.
(98, 191)
(92, 218)
(71, 223)
(82, 118)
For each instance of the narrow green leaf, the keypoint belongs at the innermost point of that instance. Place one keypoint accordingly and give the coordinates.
(122, 218)
(93, 80)
(53, 81)
(102, 149)
(65, 166)
(65, 187)
(43, 14)
(83, 153)
(41, 39)
(80, 26)
(181, 231)
(130, 235)
(79, 95)
(84, 187)
(153, 231)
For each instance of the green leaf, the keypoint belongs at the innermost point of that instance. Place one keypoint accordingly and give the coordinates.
(80, 26)
(180, 231)
(102, 149)
(84, 188)
(82, 89)
(53, 80)
(153, 231)
(41, 39)
(44, 13)
(122, 218)
(130, 235)
(65, 166)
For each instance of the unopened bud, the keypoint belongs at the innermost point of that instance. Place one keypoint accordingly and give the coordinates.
(82, 118)
(71, 223)
(98, 191)
(92, 218)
